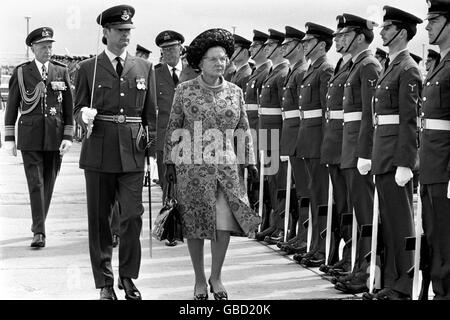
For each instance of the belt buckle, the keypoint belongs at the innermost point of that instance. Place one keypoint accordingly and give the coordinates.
(121, 118)
(421, 123)
(327, 115)
(375, 120)
(302, 115)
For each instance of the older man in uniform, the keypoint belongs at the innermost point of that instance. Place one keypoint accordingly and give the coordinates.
(330, 155)
(240, 58)
(435, 151)
(394, 152)
(293, 51)
(40, 90)
(359, 88)
(270, 124)
(112, 156)
(251, 97)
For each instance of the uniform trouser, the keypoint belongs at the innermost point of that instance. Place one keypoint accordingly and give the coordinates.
(277, 182)
(360, 189)
(340, 207)
(41, 170)
(115, 218)
(396, 212)
(436, 224)
(161, 173)
(102, 190)
(301, 181)
(318, 185)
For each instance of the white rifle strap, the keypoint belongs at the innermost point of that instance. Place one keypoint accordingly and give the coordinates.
(329, 219)
(261, 185)
(309, 237)
(288, 198)
(354, 238)
(373, 254)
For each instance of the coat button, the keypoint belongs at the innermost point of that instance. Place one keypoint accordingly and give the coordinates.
(376, 99)
(99, 85)
(122, 94)
(121, 110)
(343, 98)
(428, 83)
(424, 98)
(379, 87)
(121, 79)
(283, 99)
(331, 85)
(437, 83)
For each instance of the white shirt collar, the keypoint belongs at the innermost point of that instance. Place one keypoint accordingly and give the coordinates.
(394, 55)
(444, 53)
(39, 65)
(358, 54)
(112, 56)
(178, 67)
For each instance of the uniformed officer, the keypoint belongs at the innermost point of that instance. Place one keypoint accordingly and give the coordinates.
(142, 52)
(394, 153)
(357, 140)
(312, 105)
(113, 155)
(433, 59)
(292, 48)
(435, 151)
(251, 97)
(240, 58)
(40, 90)
(167, 75)
(270, 124)
(330, 155)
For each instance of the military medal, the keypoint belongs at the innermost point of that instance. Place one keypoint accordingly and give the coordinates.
(52, 111)
(140, 83)
(60, 98)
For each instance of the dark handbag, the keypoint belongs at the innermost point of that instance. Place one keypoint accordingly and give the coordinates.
(167, 224)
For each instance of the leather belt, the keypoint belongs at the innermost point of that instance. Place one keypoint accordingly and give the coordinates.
(291, 114)
(433, 124)
(310, 114)
(269, 111)
(117, 118)
(384, 119)
(334, 115)
(352, 116)
(251, 107)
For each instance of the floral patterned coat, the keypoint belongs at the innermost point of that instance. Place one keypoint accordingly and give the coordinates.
(199, 141)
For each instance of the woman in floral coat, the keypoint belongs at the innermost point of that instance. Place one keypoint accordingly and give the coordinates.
(203, 160)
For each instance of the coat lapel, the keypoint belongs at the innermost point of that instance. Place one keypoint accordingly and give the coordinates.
(104, 62)
(439, 66)
(166, 74)
(33, 70)
(342, 69)
(129, 64)
(396, 61)
(51, 72)
(314, 66)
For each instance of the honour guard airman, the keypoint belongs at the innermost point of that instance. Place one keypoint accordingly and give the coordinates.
(312, 106)
(359, 88)
(240, 58)
(270, 122)
(435, 151)
(394, 153)
(40, 91)
(330, 155)
(293, 51)
(113, 149)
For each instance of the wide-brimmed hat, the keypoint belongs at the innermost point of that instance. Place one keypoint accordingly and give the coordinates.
(210, 38)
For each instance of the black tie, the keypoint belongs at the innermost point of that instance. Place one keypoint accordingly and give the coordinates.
(44, 73)
(338, 66)
(119, 67)
(174, 76)
(350, 64)
(386, 63)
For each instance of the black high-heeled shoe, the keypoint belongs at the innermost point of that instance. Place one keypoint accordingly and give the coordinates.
(221, 295)
(201, 296)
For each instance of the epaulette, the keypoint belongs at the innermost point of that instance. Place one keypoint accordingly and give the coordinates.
(58, 63)
(159, 65)
(23, 63)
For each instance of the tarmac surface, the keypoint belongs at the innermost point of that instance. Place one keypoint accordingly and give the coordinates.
(252, 270)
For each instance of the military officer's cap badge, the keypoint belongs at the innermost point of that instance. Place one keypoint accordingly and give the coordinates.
(125, 15)
(118, 17)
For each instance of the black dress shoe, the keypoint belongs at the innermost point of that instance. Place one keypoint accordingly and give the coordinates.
(107, 293)
(391, 294)
(343, 278)
(131, 292)
(172, 243)
(259, 236)
(38, 241)
(116, 240)
(352, 287)
(272, 240)
(324, 268)
(221, 295)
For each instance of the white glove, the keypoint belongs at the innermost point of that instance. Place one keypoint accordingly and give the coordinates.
(11, 149)
(88, 114)
(284, 158)
(364, 166)
(65, 147)
(448, 190)
(402, 176)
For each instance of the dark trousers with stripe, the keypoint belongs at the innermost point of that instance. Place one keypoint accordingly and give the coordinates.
(436, 225)
(318, 186)
(361, 189)
(396, 212)
(41, 170)
(102, 190)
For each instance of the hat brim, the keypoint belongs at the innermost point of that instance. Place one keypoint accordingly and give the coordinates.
(43, 40)
(309, 37)
(120, 26)
(169, 43)
(433, 15)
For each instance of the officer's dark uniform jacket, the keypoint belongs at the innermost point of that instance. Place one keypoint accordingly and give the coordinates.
(397, 93)
(289, 107)
(358, 93)
(241, 76)
(46, 107)
(330, 152)
(435, 144)
(252, 90)
(112, 147)
(270, 100)
(313, 91)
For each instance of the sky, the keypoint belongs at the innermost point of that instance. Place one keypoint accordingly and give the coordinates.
(76, 30)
